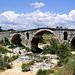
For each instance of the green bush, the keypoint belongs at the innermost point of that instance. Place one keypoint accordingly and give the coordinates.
(61, 62)
(26, 66)
(4, 63)
(46, 49)
(64, 61)
(3, 50)
(12, 46)
(33, 49)
(14, 57)
(52, 48)
(63, 51)
(68, 69)
(5, 44)
(59, 72)
(41, 40)
(31, 55)
(44, 72)
(23, 47)
(1, 42)
(6, 40)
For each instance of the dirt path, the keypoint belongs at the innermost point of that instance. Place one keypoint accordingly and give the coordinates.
(16, 70)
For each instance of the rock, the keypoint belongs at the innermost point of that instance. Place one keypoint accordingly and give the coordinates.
(42, 66)
(24, 59)
(9, 54)
(55, 61)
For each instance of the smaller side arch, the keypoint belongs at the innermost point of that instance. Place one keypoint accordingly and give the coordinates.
(17, 39)
(73, 42)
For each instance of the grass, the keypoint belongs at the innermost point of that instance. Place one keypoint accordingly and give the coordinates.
(68, 69)
(5, 44)
(4, 63)
(12, 46)
(14, 57)
(44, 72)
(31, 55)
(26, 66)
(3, 50)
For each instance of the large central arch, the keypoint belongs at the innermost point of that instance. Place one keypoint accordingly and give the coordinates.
(37, 35)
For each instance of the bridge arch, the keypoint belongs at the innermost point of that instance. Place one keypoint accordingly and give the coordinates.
(17, 39)
(37, 35)
(73, 42)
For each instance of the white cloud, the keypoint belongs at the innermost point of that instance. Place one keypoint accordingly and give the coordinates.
(9, 19)
(37, 5)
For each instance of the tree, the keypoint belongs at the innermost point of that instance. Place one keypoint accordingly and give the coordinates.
(1, 29)
(59, 27)
(11, 30)
(42, 40)
(63, 50)
(52, 48)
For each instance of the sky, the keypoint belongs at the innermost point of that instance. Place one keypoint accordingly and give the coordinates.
(29, 14)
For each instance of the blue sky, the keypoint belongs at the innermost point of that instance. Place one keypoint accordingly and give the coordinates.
(27, 14)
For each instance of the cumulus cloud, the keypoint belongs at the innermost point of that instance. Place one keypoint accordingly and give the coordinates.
(37, 5)
(10, 19)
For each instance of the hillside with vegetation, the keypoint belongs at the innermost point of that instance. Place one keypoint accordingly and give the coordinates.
(54, 59)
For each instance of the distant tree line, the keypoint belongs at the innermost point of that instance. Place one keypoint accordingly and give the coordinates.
(1, 30)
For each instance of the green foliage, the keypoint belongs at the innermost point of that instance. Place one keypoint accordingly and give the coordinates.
(1, 42)
(44, 57)
(14, 57)
(4, 63)
(1, 29)
(63, 51)
(64, 61)
(47, 33)
(52, 48)
(40, 60)
(23, 47)
(5, 44)
(44, 72)
(31, 55)
(12, 46)
(6, 40)
(26, 66)
(11, 30)
(59, 72)
(3, 50)
(59, 27)
(46, 49)
(33, 49)
(41, 40)
(68, 69)
(61, 62)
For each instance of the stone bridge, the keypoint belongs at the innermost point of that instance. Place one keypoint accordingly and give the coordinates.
(31, 37)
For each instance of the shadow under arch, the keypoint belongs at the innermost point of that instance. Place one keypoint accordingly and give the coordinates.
(73, 42)
(37, 35)
(16, 39)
